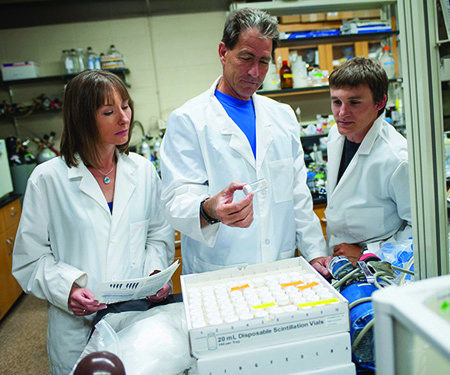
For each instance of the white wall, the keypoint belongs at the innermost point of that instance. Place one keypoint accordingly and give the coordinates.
(171, 59)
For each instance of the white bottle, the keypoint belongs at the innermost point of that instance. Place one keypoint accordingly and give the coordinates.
(90, 58)
(272, 79)
(387, 62)
(74, 60)
(300, 72)
(67, 62)
(81, 58)
(145, 149)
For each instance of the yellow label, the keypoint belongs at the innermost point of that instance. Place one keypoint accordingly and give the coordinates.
(264, 305)
(240, 287)
(306, 286)
(288, 75)
(323, 302)
(291, 284)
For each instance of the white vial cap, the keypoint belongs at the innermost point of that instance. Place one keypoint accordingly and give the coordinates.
(282, 300)
(290, 308)
(215, 321)
(257, 282)
(231, 318)
(275, 311)
(246, 316)
(247, 189)
(199, 324)
(261, 313)
(270, 278)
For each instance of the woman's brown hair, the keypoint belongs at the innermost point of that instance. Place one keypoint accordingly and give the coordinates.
(83, 96)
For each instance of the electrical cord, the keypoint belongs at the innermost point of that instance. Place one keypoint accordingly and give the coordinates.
(342, 281)
(401, 280)
(402, 269)
(362, 333)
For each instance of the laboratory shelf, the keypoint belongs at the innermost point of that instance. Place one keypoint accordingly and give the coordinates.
(306, 90)
(342, 38)
(57, 78)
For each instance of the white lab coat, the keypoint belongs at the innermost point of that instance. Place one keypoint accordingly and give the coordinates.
(67, 234)
(203, 150)
(370, 204)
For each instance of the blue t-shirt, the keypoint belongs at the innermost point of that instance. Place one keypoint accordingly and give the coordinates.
(242, 112)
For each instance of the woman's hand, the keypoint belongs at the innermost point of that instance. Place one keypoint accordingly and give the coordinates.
(161, 294)
(82, 302)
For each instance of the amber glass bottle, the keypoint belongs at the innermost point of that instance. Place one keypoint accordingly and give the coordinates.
(286, 76)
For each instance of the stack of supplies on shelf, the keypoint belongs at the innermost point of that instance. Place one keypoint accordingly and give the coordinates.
(357, 26)
(308, 34)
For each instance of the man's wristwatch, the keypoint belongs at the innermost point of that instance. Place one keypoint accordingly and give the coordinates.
(205, 216)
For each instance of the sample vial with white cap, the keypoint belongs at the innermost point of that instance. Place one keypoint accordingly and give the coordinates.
(255, 186)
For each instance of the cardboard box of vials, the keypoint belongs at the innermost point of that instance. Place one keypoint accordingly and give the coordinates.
(260, 305)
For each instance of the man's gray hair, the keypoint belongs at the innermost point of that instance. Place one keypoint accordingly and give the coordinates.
(246, 18)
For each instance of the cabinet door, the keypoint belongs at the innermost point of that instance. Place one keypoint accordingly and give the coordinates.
(319, 210)
(11, 214)
(10, 289)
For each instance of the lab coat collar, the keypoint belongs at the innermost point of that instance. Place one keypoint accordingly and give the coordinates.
(369, 139)
(124, 188)
(238, 141)
(335, 153)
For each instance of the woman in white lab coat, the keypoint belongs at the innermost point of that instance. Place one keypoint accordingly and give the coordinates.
(89, 216)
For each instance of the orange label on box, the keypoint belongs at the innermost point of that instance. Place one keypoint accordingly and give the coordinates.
(306, 286)
(293, 283)
(240, 287)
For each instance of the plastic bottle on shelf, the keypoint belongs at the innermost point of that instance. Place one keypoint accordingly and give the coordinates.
(298, 67)
(90, 58)
(93, 60)
(82, 63)
(271, 81)
(145, 149)
(286, 77)
(387, 62)
(67, 63)
(73, 58)
(316, 75)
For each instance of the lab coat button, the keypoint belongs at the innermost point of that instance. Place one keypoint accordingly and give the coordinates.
(113, 239)
(267, 242)
(331, 207)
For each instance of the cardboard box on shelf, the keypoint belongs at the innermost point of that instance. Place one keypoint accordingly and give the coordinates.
(333, 16)
(20, 70)
(315, 17)
(290, 19)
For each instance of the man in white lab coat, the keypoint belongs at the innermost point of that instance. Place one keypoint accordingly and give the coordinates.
(368, 189)
(227, 137)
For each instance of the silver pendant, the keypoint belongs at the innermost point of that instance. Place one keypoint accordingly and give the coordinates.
(106, 180)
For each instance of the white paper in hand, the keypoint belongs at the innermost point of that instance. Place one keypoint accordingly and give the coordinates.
(127, 290)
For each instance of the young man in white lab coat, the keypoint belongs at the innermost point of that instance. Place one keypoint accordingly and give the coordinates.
(225, 138)
(368, 189)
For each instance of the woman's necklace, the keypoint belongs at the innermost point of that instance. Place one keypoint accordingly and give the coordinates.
(106, 179)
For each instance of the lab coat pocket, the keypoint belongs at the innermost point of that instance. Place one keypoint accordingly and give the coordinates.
(138, 237)
(286, 254)
(364, 223)
(282, 179)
